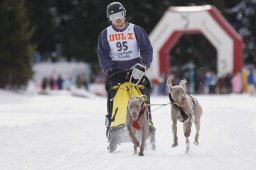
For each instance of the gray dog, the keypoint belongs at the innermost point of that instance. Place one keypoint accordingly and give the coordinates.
(137, 119)
(186, 109)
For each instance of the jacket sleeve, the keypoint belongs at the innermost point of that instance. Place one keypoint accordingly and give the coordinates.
(103, 51)
(144, 44)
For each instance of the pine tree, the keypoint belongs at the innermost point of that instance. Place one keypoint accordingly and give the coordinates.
(43, 17)
(81, 30)
(15, 48)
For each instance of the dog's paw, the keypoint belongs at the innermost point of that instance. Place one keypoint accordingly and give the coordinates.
(174, 145)
(196, 143)
(137, 143)
(153, 146)
(135, 149)
(141, 154)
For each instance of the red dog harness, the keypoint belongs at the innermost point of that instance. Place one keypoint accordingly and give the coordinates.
(136, 122)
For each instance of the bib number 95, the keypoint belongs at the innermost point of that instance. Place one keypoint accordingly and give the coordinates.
(121, 46)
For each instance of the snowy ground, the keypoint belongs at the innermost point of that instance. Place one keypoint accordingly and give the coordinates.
(63, 132)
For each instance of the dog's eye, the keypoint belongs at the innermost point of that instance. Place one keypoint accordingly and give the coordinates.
(137, 108)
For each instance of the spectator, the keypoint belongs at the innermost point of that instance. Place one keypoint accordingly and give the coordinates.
(87, 81)
(44, 84)
(221, 85)
(51, 83)
(236, 83)
(200, 86)
(251, 82)
(207, 81)
(213, 83)
(244, 81)
(66, 84)
(254, 77)
(162, 85)
(60, 82)
(79, 81)
(37, 57)
(155, 86)
(228, 83)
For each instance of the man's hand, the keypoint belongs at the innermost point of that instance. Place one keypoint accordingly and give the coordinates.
(138, 71)
(109, 70)
(140, 67)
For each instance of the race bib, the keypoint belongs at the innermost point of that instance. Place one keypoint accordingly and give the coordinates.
(123, 45)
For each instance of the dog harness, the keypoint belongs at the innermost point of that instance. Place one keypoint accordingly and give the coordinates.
(176, 106)
(193, 101)
(136, 122)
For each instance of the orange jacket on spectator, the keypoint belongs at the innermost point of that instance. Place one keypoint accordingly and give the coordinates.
(245, 82)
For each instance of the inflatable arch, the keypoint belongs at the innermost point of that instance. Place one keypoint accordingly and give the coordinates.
(204, 19)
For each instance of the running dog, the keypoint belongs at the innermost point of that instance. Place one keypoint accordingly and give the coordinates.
(186, 109)
(137, 119)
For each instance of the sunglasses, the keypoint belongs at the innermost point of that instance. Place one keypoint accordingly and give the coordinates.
(115, 16)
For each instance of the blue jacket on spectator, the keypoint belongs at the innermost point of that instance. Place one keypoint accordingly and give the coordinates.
(250, 79)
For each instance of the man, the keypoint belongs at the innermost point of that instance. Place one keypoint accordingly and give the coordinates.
(122, 42)
(122, 45)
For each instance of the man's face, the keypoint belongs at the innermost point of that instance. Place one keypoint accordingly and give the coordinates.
(118, 22)
(117, 19)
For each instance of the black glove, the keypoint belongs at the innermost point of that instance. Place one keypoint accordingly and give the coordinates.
(140, 67)
(138, 71)
(109, 70)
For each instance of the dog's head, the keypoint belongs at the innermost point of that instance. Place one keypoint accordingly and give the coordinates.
(177, 92)
(134, 107)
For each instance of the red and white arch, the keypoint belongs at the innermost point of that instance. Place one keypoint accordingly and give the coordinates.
(205, 19)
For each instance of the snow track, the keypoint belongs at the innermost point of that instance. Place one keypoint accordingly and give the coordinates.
(64, 132)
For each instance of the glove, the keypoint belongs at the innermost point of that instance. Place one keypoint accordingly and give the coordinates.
(140, 67)
(138, 70)
(109, 70)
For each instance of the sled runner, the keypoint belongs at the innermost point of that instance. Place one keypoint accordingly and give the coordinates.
(122, 86)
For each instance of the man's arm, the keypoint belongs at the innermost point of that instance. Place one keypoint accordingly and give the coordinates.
(103, 51)
(144, 44)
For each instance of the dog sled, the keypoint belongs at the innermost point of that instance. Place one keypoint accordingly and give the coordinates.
(121, 86)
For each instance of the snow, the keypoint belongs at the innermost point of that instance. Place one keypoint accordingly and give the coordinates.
(65, 132)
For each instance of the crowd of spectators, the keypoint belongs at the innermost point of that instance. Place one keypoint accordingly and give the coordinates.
(60, 83)
(210, 83)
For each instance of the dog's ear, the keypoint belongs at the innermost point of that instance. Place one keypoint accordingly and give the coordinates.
(183, 83)
(169, 82)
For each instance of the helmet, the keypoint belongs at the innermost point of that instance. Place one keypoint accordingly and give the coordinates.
(115, 7)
